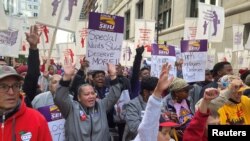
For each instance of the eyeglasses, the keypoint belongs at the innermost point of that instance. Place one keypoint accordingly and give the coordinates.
(5, 88)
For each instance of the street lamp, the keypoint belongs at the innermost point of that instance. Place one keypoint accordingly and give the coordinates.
(159, 26)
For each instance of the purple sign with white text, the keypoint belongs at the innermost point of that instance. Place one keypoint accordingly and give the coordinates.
(51, 113)
(163, 50)
(106, 22)
(194, 46)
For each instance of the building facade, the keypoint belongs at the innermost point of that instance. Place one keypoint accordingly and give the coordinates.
(170, 17)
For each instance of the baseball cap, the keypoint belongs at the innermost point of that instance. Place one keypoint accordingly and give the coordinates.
(6, 71)
(166, 122)
(179, 84)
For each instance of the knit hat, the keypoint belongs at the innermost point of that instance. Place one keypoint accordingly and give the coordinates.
(179, 84)
(22, 68)
(6, 71)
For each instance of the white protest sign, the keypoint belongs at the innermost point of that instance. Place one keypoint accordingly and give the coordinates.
(10, 40)
(210, 22)
(66, 52)
(221, 57)
(238, 31)
(211, 58)
(162, 54)
(190, 28)
(128, 53)
(243, 59)
(105, 36)
(81, 35)
(144, 35)
(194, 54)
(229, 54)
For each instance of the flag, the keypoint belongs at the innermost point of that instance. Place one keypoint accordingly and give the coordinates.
(10, 40)
(81, 35)
(190, 28)
(238, 37)
(210, 22)
(3, 23)
(144, 35)
(63, 14)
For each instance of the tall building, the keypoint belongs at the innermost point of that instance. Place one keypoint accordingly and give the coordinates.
(29, 8)
(88, 6)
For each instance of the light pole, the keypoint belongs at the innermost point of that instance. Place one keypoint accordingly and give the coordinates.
(159, 26)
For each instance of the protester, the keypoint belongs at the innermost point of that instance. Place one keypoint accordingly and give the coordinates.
(148, 128)
(86, 119)
(46, 98)
(197, 129)
(136, 107)
(17, 120)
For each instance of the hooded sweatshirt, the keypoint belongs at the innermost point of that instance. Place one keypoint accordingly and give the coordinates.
(24, 124)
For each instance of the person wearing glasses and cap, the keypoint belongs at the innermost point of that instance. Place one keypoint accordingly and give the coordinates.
(14, 113)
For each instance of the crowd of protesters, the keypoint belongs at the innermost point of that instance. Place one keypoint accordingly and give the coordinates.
(160, 109)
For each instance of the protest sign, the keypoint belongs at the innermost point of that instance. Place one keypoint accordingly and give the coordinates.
(194, 54)
(10, 40)
(162, 54)
(105, 36)
(228, 54)
(144, 35)
(81, 35)
(55, 121)
(221, 57)
(238, 31)
(210, 22)
(190, 28)
(127, 54)
(66, 52)
(211, 58)
(62, 14)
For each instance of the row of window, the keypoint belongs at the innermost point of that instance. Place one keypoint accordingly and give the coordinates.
(164, 13)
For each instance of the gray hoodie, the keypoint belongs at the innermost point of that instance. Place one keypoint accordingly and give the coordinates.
(95, 126)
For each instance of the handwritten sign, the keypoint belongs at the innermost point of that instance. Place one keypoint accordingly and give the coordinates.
(211, 58)
(238, 31)
(162, 54)
(81, 37)
(128, 53)
(144, 35)
(105, 36)
(55, 121)
(194, 54)
(190, 28)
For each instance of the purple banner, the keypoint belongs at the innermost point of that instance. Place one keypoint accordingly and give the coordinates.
(106, 22)
(51, 113)
(194, 46)
(163, 50)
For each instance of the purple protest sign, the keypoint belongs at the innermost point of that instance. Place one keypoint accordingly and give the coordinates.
(51, 113)
(163, 50)
(106, 22)
(194, 46)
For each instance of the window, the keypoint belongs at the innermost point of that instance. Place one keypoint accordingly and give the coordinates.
(35, 14)
(35, 7)
(127, 22)
(164, 14)
(139, 6)
(194, 6)
(30, 6)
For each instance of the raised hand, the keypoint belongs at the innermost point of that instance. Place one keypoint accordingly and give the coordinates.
(210, 94)
(69, 71)
(112, 71)
(164, 80)
(140, 50)
(33, 37)
(84, 63)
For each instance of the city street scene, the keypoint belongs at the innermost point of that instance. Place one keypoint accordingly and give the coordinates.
(124, 70)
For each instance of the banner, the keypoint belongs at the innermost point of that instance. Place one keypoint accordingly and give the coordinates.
(64, 12)
(55, 121)
(105, 36)
(211, 58)
(194, 54)
(190, 28)
(81, 35)
(3, 17)
(128, 53)
(162, 54)
(10, 40)
(144, 35)
(238, 31)
(210, 22)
